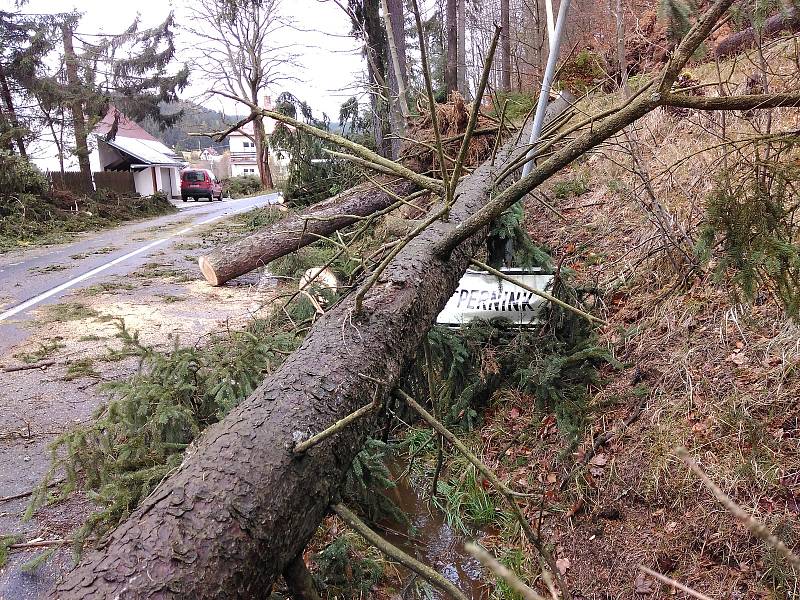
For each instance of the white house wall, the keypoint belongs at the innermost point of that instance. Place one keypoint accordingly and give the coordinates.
(102, 155)
(238, 169)
(237, 144)
(143, 180)
(176, 182)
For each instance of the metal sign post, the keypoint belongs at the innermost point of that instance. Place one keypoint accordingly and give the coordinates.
(547, 83)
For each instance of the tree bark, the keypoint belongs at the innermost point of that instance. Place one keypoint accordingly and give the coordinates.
(377, 69)
(242, 505)
(461, 53)
(788, 19)
(505, 45)
(291, 234)
(262, 154)
(12, 113)
(451, 68)
(398, 104)
(76, 108)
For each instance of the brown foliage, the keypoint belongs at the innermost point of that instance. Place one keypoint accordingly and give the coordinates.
(452, 117)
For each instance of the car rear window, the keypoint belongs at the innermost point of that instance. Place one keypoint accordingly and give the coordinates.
(194, 176)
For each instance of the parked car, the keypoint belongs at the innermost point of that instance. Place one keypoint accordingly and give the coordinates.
(200, 183)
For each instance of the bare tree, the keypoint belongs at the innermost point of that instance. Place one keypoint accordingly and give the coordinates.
(239, 55)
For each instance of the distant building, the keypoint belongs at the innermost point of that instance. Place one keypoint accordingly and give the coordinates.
(243, 150)
(119, 144)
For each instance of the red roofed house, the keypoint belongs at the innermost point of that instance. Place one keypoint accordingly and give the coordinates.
(119, 144)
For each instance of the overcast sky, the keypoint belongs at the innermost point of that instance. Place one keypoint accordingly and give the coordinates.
(331, 59)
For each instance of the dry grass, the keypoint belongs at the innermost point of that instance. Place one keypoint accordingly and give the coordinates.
(717, 377)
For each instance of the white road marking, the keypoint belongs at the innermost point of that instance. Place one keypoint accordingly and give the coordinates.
(68, 284)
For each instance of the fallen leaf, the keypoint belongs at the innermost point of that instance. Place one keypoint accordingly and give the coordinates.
(737, 358)
(562, 564)
(514, 413)
(552, 478)
(643, 585)
(599, 460)
(575, 509)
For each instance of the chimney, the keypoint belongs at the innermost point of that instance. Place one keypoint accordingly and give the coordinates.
(268, 102)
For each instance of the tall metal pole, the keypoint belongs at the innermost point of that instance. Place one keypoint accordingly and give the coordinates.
(547, 83)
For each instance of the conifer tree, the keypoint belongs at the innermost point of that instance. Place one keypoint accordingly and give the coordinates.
(130, 70)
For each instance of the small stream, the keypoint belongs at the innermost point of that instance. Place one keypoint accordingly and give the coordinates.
(429, 539)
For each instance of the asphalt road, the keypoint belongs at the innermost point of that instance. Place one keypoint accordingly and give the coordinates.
(32, 277)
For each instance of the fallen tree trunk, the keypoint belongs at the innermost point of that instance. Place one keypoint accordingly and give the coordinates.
(788, 19)
(242, 505)
(292, 233)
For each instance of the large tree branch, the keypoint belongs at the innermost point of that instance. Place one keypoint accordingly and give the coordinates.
(744, 102)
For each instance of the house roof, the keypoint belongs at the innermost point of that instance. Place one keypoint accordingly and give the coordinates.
(131, 139)
(125, 127)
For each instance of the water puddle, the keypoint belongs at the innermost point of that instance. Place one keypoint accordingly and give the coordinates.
(432, 541)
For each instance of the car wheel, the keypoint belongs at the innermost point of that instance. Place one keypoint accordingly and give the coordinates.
(185, 199)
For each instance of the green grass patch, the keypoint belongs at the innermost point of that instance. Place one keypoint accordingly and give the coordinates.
(187, 246)
(45, 350)
(570, 188)
(48, 269)
(80, 368)
(69, 311)
(104, 250)
(107, 287)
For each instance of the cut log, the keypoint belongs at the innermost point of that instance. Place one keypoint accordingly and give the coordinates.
(786, 20)
(292, 233)
(242, 505)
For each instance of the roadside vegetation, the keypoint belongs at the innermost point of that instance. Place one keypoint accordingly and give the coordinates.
(33, 213)
(243, 186)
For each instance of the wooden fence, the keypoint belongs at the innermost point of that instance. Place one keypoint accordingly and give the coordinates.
(117, 181)
(72, 181)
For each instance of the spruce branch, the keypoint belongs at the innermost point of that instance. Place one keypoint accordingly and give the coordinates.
(336, 427)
